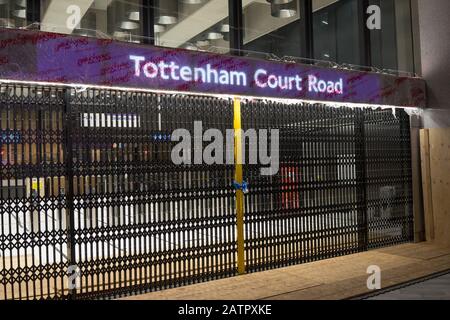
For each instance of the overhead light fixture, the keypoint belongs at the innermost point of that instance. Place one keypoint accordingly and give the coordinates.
(157, 28)
(133, 15)
(202, 43)
(192, 1)
(81, 32)
(190, 47)
(121, 34)
(129, 25)
(21, 3)
(167, 12)
(167, 20)
(279, 1)
(20, 13)
(225, 28)
(214, 35)
(283, 8)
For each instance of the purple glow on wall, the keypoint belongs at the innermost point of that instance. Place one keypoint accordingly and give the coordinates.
(38, 56)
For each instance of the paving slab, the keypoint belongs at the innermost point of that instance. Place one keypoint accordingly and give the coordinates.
(332, 279)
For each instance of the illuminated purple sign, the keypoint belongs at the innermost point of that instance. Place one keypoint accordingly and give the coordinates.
(39, 56)
(287, 81)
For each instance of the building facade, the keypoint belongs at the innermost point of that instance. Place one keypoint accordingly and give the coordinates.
(92, 91)
(320, 29)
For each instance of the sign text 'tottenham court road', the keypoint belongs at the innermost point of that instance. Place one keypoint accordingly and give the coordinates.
(224, 77)
(47, 57)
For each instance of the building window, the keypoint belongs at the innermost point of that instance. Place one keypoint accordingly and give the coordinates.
(272, 27)
(13, 13)
(392, 45)
(192, 24)
(269, 26)
(120, 20)
(336, 31)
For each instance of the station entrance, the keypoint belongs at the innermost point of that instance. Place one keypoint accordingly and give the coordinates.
(92, 206)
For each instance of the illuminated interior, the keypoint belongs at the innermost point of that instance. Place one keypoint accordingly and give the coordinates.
(270, 27)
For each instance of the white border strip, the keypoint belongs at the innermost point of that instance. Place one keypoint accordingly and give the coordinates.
(80, 88)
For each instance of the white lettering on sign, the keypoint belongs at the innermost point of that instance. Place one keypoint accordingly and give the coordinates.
(322, 86)
(173, 71)
(262, 78)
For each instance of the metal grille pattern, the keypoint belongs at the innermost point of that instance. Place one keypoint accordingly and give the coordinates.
(344, 184)
(141, 222)
(87, 182)
(309, 210)
(389, 178)
(33, 236)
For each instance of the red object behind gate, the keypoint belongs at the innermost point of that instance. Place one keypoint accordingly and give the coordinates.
(290, 179)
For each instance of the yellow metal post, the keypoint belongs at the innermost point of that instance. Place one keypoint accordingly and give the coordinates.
(239, 179)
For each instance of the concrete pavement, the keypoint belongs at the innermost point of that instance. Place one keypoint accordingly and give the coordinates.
(337, 278)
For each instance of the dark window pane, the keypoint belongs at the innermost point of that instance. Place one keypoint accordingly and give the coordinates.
(392, 45)
(13, 13)
(272, 28)
(193, 24)
(336, 31)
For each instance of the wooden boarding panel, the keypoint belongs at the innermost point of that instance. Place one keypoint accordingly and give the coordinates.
(435, 157)
(439, 140)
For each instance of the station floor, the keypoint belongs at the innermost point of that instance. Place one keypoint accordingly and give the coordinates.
(333, 279)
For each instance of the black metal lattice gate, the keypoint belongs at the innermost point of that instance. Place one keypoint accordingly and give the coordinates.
(90, 196)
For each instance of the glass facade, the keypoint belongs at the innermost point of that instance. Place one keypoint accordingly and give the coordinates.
(336, 31)
(272, 27)
(13, 13)
(192, 24)
(332, 30)
(121, 20)
(340, 34)
(392, 45)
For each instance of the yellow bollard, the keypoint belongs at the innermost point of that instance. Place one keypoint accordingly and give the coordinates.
(239, 179)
